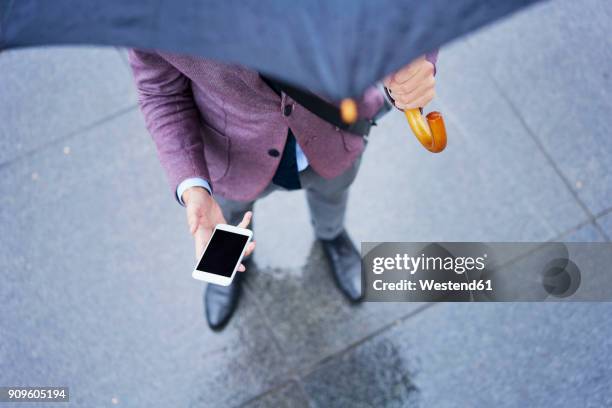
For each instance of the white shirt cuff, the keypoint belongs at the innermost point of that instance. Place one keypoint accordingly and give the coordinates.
(389, 103)
(300, 157)
(188, 183)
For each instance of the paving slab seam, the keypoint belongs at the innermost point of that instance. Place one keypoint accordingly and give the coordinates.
(603, 213)
(273, 390)
(122, 53)
(122, 56)
(70, 135)
(547, 156)
(297, 374)
(519, 257)
(300, 385)
(568, 231)
(267, 323)
(599, 216)
(312, 367)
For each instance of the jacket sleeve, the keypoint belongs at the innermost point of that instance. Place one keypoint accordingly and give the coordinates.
(433, 58)
(171, 116)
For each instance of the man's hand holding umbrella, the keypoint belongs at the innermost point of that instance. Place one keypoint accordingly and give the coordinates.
(413, 86)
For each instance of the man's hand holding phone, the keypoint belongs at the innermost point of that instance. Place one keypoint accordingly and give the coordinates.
(203, 214)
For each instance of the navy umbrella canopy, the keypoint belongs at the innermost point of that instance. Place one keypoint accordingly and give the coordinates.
(336, 48)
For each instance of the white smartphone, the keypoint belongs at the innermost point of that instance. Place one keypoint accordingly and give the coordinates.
(223, 254)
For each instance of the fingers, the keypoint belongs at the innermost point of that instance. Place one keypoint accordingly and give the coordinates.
(192, 221)
(416, 92)
(423, 79)
(249, 251)
(201, 234)
(413, 86)
(416, 104)
(250, 248)
(246, 219)
(409, 71)
(200, 239)
(388, 81)
(417, 99)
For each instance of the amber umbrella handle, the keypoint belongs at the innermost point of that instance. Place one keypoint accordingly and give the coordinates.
(431, 134)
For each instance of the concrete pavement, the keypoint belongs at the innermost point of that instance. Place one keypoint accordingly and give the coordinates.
(95, 256)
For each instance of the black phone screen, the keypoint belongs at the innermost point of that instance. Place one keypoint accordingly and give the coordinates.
(222, 253)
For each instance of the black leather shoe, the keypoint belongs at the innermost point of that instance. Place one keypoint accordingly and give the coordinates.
(345, 263)
(220, 301)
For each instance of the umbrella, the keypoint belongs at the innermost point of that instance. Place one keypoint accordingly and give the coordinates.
(336, 48)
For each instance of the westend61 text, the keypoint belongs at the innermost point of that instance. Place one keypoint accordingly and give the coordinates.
(432, 285)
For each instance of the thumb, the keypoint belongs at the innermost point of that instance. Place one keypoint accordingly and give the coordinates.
(387, 80)
(246, 219)
(200, 242)
(192, 221)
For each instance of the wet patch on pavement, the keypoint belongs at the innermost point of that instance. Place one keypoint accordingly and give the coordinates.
(374, 374)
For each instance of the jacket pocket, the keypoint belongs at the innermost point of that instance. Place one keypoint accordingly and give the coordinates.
(216, 152)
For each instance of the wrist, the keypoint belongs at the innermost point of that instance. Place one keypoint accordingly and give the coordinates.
(389, 101)
(195, 191)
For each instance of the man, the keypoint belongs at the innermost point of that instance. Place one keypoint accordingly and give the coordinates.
(226, 137)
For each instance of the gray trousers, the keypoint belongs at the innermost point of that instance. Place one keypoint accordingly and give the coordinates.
(327, 199)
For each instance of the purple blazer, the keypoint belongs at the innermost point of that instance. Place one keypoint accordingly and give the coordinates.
(222, 123)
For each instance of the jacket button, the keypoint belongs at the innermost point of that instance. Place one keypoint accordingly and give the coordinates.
(287, 110)
(273, 152)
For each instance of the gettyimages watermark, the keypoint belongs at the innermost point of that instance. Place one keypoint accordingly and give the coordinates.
(486, 272)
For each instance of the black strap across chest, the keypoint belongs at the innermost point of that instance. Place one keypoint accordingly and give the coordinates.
(323, 109)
